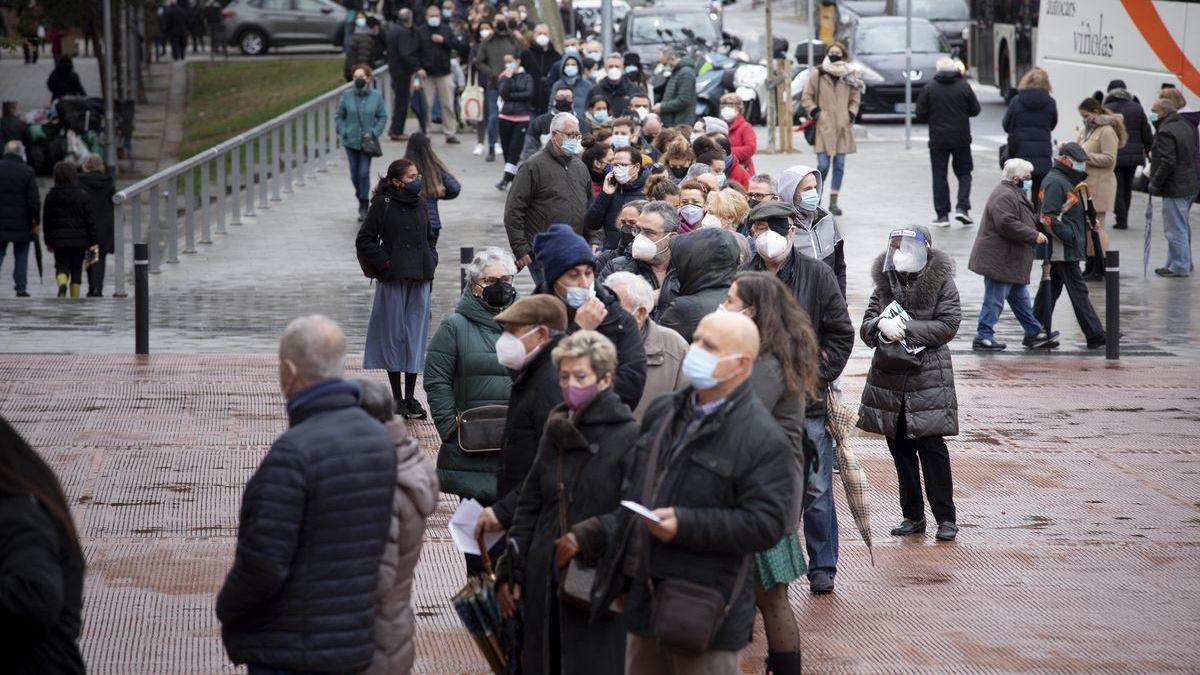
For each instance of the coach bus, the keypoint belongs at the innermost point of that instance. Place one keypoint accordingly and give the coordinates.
(1001, 37)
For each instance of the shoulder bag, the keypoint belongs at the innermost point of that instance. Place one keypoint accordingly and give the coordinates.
(481, 429)
(370, 142)
(575, 582)
(471, 100)
(364, 263)
(685, 616)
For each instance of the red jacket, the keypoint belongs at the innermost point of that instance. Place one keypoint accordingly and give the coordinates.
(744, 143)
(737, 173)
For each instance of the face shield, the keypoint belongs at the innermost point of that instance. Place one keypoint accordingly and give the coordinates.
(908, 251)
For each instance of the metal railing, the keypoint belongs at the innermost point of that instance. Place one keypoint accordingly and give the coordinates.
(235, 178)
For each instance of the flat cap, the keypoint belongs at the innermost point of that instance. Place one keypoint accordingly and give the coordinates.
(1073, 150)
(771, 209)
(543, 309)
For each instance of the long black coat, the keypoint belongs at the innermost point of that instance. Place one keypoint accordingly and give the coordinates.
(41, 591)
(534, 394)
(396, 238)
(1029, 120)
(597, 458)
(705, 261)
(730, 482)
(924, 394)
(312, 528)
(19, 200)
(538, 63)
(948, 104)
(67, 220)
(1137, 126)
(100, 190)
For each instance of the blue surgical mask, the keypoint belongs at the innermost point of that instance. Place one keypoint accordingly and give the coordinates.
(619, 142)
(1079, 166)
(571, 146)
(577, 295)
(694, 136)
(691, 213)
(570, 71)
(1152, 116)
(447, 12)
(810, 199)
(1027, 185)
(720, 180)
(601, 115)
(699, 364)
(434, 21)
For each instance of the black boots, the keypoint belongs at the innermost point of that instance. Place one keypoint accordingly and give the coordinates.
(783, 663)
(362, 209)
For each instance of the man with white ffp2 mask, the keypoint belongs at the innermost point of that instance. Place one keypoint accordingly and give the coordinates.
(817, 233)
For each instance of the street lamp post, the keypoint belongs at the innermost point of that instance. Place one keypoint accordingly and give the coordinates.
(110, 135)
(908, 74)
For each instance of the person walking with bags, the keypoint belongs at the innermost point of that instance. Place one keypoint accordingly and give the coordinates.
(831, 97)
(583, 459)
(398, 246)
(910, 398)
(68, 227)
(361, 117)
(100, 189)
(1029, 120)
(1102, 137)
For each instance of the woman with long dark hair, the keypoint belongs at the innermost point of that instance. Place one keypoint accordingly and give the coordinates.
(398, 246)
(437, 182)
(784, 377)
(41, 565)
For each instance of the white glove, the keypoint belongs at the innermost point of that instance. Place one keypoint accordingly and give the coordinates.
(892, 328)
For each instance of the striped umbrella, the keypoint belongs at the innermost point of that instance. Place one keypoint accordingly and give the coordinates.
(839, 421)
(1146, 237)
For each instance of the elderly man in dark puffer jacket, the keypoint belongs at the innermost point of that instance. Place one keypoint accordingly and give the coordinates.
(314, 521)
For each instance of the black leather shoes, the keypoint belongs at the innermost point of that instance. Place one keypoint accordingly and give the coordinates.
(820, 583)
(909, 527)
(947, 531)
(1041, 340)
(987, 345)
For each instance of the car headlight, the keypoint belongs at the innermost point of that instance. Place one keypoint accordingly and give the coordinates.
(750, 75)
(869, 74)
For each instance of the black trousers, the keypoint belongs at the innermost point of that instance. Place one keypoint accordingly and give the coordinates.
(960, 161)
(401, 87)
(95, 276)
(178, 47)
(1067, 274)
(69, 261)
(1124, 176)
(912, 455)
(512, 139)
(1035, 191)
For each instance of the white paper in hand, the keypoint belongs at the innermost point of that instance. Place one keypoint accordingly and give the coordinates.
(462, 528)
(641, 510)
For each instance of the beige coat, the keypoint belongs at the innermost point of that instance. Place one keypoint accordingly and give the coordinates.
(415, 499)
(1101, 143)
(665, 350)
(839, 103)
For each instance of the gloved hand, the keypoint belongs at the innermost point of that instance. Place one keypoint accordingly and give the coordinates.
(891, 328)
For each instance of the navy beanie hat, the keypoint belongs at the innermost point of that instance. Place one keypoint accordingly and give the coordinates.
(558, 249)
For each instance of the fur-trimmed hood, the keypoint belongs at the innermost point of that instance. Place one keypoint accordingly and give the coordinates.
(922, 292)
(1117, 122)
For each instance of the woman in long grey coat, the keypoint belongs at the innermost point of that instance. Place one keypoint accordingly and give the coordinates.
(910, 398)
(584, 456)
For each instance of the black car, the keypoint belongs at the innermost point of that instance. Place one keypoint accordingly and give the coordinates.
(877, 44)
(949, 16)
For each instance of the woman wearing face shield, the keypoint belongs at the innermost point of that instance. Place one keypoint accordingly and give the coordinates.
(910, 398)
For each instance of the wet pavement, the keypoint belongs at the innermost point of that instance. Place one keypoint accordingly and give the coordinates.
(1076, 484)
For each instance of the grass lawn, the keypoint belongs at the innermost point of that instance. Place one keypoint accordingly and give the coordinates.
(227, 98)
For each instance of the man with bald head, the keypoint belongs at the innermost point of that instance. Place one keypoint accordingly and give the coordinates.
(717, 472)
(314, 521)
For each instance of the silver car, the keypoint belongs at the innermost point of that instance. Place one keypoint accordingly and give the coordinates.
(255, 26)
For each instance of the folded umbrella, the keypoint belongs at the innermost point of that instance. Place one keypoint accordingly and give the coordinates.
(477, 608)
(1146, 237)
(839, 421)
(37, 254)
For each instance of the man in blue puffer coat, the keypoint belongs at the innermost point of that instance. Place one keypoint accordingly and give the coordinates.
(314, 521)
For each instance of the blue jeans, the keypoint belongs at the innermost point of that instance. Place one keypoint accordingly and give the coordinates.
(492, 97)
(360, 172)
(1178, 234)
(820, 518)
(994, 295)
(839, 167)
(20, 263)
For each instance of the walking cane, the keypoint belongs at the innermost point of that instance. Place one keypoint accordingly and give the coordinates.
(1045, 285)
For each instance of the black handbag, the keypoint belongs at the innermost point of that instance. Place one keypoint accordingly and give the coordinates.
(893, 356)
(481, 429)
(575, 582)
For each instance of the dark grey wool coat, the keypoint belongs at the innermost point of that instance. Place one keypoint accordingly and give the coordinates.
(924, 393)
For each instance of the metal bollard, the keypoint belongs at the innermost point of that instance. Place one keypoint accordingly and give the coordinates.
(141, 297)
(1112, 306)
(465, 255)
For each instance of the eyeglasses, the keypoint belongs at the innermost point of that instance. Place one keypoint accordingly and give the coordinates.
(761, 196)
(624, 164)
(571, 137)
(488, 281)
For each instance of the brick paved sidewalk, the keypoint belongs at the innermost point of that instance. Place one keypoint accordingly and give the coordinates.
(1076, 484)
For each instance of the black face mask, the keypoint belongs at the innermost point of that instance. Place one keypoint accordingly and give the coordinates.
(834, 58)
(499, 294)
(679, 171)
(627, 237)
(360, 83)
(563, 105)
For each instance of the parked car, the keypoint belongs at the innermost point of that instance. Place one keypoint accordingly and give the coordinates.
(255, 26)
(877, 44)
(649, 29)
(950, 17)
(588, 13)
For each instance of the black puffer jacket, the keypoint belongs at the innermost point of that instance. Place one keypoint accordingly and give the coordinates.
(627, 263)
(534, 394)
(597, 458)
(1137, 126)
(517, 92)
(603, 211)
(947, 104)
(435, 56)
(730, 483)
(41, 591)
(705, 261)
(100, 190)
(313, 525)
(360, 49)
(924, 394)
(815, 287)
(396, 238)
(19, 200)
(67, 220)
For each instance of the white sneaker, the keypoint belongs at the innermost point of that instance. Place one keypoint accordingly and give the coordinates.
(498, 148)
(964, 218)
(941, 222)
(478, 149)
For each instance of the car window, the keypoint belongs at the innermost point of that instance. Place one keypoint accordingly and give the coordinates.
(276, 4)
(310, 5)
(668, 28)
(889, 38)
(944, 10)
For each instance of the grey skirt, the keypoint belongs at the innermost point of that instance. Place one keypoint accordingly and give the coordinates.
(398, 329)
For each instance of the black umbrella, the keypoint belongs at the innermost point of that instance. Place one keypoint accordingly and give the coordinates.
(37, 254)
